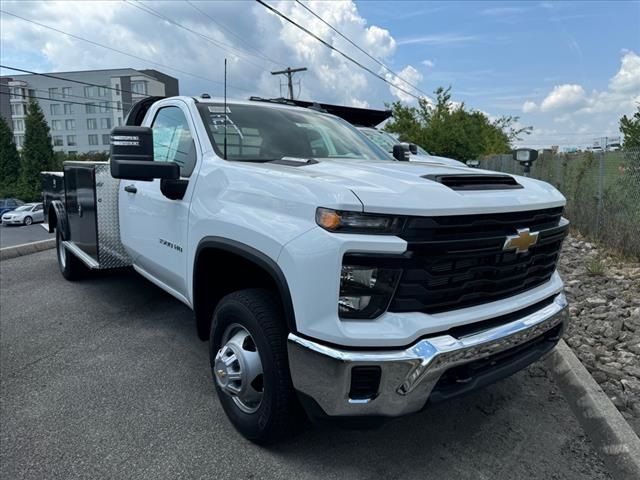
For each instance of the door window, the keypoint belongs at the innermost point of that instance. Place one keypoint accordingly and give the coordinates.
(172, 140)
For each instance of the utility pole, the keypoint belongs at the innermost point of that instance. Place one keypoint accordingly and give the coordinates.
(289, 73)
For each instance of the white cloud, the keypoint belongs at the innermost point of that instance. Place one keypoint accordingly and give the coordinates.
(437, 39)
(410, 75)
(428, 63)
(564, 97)
(243, 29)
(569, 115)
(627, 80)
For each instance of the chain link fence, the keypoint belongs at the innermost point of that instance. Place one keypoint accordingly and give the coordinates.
(602, 190)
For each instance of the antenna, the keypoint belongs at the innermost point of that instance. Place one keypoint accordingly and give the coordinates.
(225, 108)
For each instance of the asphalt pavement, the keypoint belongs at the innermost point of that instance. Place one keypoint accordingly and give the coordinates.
(11, 235)
(105, 378)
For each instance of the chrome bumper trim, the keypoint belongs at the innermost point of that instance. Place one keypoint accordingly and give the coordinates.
(408, 376)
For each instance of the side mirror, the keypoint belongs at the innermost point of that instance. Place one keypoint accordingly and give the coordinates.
(413, 148)
(401, 152)
(132, 156)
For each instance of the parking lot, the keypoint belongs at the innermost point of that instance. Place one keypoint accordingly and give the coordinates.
(19, 234)
(106, 379)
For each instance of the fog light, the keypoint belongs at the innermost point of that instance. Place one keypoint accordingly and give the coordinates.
(353, 304)
(365, 291)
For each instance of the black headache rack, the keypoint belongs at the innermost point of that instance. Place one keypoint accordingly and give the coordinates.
(52, 190)
(136, 113)
(363, 117)
(87, 200)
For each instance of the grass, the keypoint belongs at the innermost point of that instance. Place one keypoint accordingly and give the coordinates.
(595, 266)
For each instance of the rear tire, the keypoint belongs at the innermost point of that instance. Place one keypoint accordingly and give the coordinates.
(262, 404)
(70, 266)
(28, 220)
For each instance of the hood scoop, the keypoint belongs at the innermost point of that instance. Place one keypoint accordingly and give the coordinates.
(475, 181)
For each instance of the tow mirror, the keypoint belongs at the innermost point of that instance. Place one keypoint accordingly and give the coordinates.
(401, 152)
(413, 148)
(132, 156)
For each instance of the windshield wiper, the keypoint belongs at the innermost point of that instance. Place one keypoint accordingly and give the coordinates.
(295, 161)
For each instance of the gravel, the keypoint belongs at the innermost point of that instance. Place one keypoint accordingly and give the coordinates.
(604, 295)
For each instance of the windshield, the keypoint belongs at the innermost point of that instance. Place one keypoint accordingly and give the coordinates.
(422, 151)
(387, 141)
(24, 208)
(265, 133)
(381, 139)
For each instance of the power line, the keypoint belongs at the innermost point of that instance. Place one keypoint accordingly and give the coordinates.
(48, 75)
(77, 37)
(328, 45)
(50, 100)
(242, 40)
(223, 46)
(359, 48)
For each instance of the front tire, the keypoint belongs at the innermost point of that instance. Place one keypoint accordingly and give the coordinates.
(250, 367)
(28, 220)
(70, 266)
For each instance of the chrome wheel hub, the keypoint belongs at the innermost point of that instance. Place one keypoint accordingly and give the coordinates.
(238, 369)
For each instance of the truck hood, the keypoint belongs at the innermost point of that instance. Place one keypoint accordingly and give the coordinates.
(435, 159)
(400, 188)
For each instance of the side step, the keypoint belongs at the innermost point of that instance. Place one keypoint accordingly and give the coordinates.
(87, 259)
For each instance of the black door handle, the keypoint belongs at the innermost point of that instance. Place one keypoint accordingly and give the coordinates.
(131, 189)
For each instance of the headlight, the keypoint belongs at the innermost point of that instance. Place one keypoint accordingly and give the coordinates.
(365, 291)
(356, 222)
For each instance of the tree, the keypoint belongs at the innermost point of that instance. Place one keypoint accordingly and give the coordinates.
(450, 130)
(9, 162)
(630, 128)
(37, 152)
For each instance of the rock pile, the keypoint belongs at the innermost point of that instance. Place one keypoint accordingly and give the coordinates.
(604, 296)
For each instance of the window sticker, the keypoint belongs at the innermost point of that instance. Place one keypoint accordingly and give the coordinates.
(218, 109)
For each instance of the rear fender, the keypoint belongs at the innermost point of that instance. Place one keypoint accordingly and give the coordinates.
(57, 219)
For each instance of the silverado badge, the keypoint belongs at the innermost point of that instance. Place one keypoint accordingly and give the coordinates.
(521, 241)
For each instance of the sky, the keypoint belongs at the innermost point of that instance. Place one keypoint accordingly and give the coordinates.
(568, 69)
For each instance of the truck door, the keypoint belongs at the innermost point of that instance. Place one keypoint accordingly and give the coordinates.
(154, 227)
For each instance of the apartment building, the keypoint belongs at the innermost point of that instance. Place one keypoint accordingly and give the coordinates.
(80, 115)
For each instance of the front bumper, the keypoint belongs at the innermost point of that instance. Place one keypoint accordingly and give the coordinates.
(408, 377)
(12, 221)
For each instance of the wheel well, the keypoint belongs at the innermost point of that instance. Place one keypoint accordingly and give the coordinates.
(52, 219)
(220, 271)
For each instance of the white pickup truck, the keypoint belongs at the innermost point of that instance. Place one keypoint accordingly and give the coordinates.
(328, 278)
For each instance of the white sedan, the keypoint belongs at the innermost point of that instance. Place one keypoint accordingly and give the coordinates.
(24, 215)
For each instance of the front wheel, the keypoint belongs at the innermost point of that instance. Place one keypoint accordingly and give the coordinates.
(250, 368)
(28, 220)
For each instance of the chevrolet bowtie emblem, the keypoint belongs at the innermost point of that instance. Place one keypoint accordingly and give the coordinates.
(522, 241)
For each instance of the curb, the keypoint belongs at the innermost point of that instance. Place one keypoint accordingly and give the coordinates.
(26, 248)
(617, 443)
